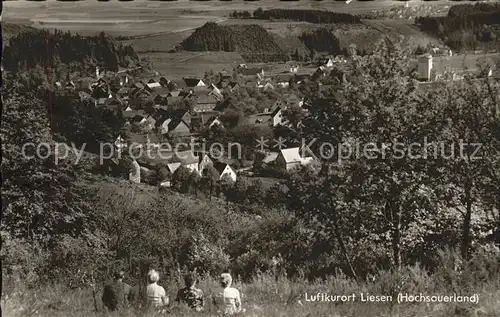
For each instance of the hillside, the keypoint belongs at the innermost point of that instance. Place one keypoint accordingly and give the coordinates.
(252, 41)
(55, 48)
(10, 30)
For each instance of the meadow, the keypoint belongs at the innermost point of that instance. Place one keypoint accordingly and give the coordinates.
(276, 296)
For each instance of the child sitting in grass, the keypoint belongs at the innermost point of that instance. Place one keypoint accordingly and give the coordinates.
(230, 296)
(191, 295)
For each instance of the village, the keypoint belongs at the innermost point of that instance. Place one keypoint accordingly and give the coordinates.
(159, 111)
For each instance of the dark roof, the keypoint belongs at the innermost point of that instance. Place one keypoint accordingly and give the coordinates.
(174, 93)
(186, 157)
(161, 91)
(191, 82)
(250, 71)
(133, 113)
(283, 78)
(220, 167)
(137, 118)
(206, 99)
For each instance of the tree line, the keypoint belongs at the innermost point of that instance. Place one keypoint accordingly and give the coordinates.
(466, 26)
(311, 16)
(57, 47)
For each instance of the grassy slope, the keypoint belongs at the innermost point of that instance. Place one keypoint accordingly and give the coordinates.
(268, 297)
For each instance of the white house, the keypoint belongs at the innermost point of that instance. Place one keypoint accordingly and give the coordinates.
(164, 126)
(205, 161)
(194, 82)
(153, 85)
(120, 143)
(135, 173)
(425, 67)
(225, 171)
(329, 63)
(188, 159)
(289, 159)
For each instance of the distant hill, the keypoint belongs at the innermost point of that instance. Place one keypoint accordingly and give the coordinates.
(55, 47)
(10, 30)
(252, 41)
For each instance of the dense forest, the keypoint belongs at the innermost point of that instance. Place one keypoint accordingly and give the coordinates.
(253, 41)
(466, 26)
(59, 47)
(321, 40)
(311, 16)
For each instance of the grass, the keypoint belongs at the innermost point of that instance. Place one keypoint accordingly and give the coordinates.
(272, 296)
(192, 64)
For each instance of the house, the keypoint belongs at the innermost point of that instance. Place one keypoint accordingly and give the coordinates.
(187, 159)
(200, 119)
(213, 121)
(120, 144)
(129, 114)
(272, 118)
(328, 63)
(205, 103)
(172, 167)
(122, 92)
(292, 100)
(146, 122)
(266, 86)
(194, 82)
(163, 127)
(215, 92)
(164, 82)
(283, 80)
(84, 95)
(174, 93)
(101, 102)
(178, 127)
(205, 161)
(137, 140)
(262, 159)
(135, 174)
(289, 159)
(320, 72)
(70, 85)
(153, 85)
(225, 171)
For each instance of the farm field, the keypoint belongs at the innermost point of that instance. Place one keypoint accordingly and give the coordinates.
(192, 64)
(166, 16)
(154, 27)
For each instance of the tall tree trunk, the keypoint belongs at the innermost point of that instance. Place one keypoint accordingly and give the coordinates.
(497, 234)
(396, 235)
(466, 226)
(343, 248)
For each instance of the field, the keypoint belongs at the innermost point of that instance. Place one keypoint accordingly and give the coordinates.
(270, 297)
(154, 27)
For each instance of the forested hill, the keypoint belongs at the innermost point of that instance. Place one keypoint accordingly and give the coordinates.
(251, 40)
(56, 47)
(10, 30)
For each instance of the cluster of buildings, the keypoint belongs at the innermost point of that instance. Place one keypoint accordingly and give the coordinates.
(154, 112)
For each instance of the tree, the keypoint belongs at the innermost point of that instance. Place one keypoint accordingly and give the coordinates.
(255, 192)
(210, 179)
(180, 179)
(470, 169)
(381, 110)
(194, 181)
(40, 199)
